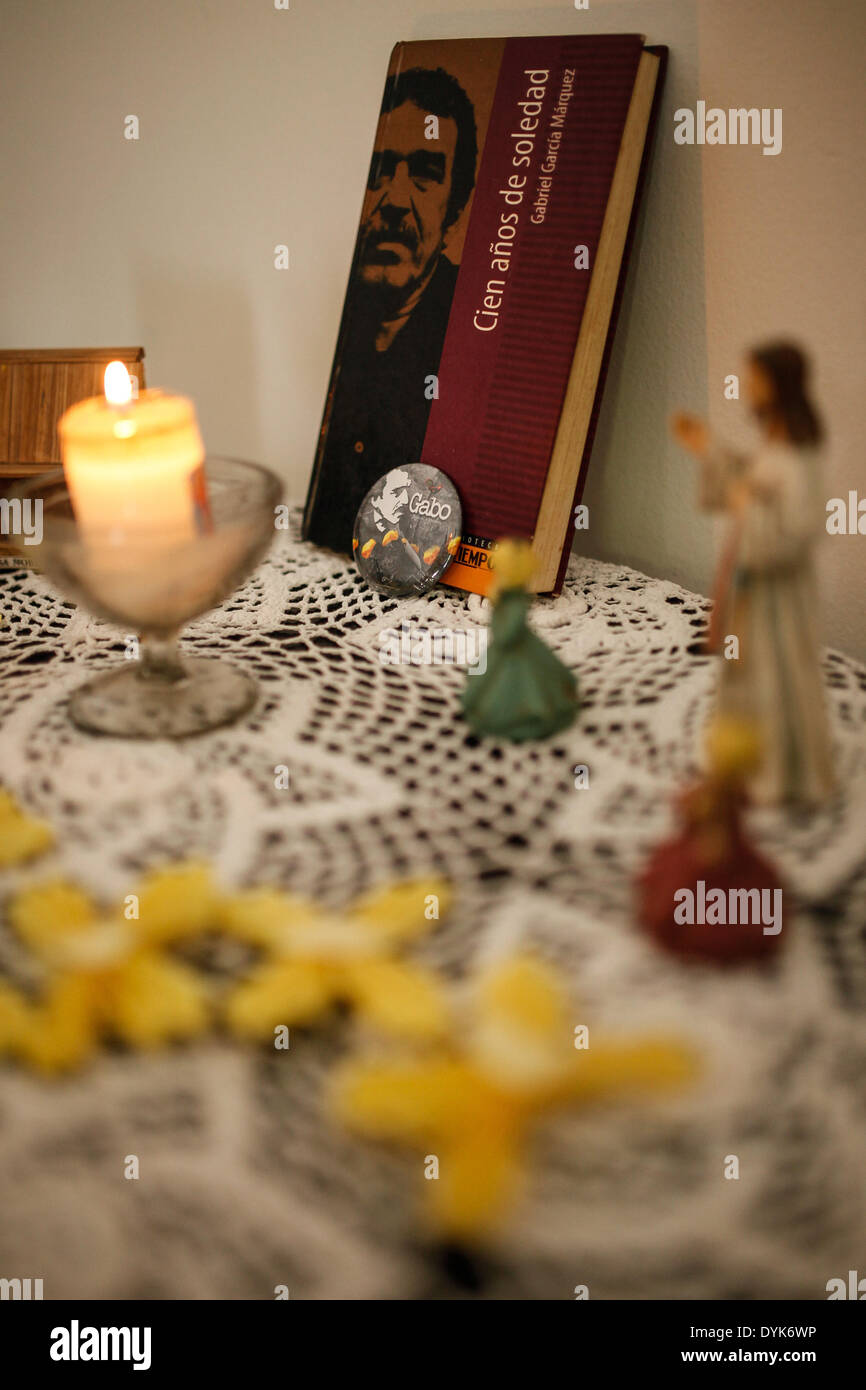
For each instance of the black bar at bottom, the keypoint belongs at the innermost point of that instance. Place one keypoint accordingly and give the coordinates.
(256, 1338)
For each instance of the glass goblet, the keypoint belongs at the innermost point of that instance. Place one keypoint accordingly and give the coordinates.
(152, 585)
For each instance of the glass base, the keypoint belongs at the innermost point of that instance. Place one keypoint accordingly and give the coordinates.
(133, 702)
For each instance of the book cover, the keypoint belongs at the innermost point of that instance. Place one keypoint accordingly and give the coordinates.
(484, 284)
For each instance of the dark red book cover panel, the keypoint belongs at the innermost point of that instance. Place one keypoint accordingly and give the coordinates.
(464, 301)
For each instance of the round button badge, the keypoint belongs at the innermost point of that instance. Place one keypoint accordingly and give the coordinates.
(407, 530)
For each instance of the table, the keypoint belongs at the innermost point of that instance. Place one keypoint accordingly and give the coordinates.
(245, 1183)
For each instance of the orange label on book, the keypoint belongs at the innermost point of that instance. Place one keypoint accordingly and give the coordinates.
(470, 569)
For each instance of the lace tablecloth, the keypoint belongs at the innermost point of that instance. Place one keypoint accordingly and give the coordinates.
(245, 1182)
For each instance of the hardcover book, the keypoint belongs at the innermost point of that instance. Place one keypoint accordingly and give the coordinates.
(500, 204)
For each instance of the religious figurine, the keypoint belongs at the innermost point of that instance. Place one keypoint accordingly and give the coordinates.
(706, 894)
(524, 691)
(764, 615)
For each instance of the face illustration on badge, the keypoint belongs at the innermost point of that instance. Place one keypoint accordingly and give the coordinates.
(407, 530)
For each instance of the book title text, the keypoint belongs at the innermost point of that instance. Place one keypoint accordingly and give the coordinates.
(523, 139)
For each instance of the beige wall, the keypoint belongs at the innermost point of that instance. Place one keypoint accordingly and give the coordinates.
(256, 126)
(784, 237)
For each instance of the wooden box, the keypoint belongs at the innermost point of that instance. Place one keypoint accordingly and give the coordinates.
(36, 386)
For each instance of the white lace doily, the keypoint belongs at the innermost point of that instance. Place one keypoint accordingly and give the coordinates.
(245, 1184)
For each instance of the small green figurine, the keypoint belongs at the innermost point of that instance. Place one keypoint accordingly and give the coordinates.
(525, 691)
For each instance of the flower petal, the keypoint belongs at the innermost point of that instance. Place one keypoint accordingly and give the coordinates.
(400, 910)
(282, 992)
(44, 915)
(177, 901)
(647, 1064)
(479, 1179)
(264, 916)
(399, 998)
(520, 1038)
(524, 992)
(13, 1016)
(155, 999)
(60, 1031)
(408, 1101)
(21, 836)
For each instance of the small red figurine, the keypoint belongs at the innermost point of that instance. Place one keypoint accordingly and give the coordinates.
(706, 894)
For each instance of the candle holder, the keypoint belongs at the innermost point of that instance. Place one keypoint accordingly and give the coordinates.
(153, 585)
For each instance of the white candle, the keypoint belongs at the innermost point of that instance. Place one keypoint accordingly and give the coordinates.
(135, 469)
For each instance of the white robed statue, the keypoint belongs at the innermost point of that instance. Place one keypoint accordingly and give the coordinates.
(765, 611)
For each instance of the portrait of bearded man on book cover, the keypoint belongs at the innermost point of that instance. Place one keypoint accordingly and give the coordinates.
(402, 283)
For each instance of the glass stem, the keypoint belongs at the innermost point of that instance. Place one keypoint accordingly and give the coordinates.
(161, 659)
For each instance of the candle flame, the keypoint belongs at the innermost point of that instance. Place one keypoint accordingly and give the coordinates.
(118, 387)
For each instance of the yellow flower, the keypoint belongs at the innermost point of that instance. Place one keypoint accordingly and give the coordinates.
(314, 960)
(102, 978)
(21, 836)
(470, 1104)
(513, 564)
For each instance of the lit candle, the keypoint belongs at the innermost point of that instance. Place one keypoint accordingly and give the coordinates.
(134, 469)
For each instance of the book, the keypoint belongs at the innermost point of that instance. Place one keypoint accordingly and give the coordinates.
(477, 326)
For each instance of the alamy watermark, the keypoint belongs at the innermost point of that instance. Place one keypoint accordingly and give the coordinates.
(737, 907)
(20, 1289)
(77, 1343)
(414, 645)
(19, 518)
(736, 126)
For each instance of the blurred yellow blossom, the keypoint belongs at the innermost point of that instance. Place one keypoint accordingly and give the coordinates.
(108, 974)
(102, 978)
(316, 959)
(470, 1103)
